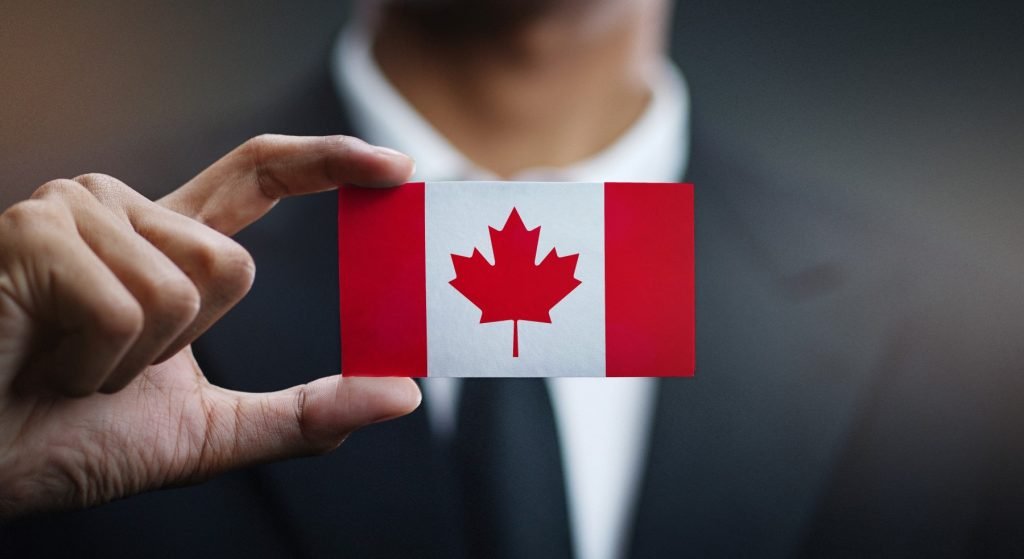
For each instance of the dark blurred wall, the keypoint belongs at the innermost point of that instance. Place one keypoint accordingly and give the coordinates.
(82, 84)
(912, 108)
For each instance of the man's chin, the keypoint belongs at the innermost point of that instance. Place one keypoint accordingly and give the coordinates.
(480, 16)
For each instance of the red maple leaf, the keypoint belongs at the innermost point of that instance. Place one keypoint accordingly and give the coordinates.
(514, 288)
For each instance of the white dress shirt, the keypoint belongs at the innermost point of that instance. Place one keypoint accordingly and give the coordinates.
(603, 423)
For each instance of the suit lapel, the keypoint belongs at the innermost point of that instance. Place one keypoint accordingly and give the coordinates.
(741, 453)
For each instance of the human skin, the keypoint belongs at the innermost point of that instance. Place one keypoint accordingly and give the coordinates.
(518, 85)
(102, 292)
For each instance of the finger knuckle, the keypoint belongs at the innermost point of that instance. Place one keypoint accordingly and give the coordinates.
(103, 187)
(255, 149)
(120, 318)
(237, 267)
(173, 299)
(316, 441)
(60, 189)
(180, 301)
(228, 267)
(93, 181)
(261, 142)
(34, 214)
(23, 212)
(37, 229)
(256, 152)
(110, 191)
(339, 141)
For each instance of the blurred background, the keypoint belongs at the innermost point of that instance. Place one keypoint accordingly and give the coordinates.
(914, 109)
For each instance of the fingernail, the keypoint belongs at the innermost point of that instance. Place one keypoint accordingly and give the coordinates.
(406, 399)
(394, 154)
(385, 398)
(388, 152)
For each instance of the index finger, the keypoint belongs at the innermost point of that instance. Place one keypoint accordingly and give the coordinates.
(247, 182)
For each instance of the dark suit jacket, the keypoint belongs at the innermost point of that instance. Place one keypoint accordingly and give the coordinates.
(855, 395)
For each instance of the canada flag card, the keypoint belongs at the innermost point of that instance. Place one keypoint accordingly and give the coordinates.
(517, 279)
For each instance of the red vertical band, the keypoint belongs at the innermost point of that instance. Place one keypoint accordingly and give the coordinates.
(382, 263)
(649, 279)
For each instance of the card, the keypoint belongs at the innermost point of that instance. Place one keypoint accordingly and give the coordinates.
(517, 279)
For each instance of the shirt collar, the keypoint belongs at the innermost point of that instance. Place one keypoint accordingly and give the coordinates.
(654, 148)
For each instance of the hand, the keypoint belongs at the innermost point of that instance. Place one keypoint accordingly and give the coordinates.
(101, 293)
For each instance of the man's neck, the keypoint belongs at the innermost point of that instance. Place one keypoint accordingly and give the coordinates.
(548, 94)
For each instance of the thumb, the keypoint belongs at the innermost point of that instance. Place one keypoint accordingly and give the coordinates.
(313, 418)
